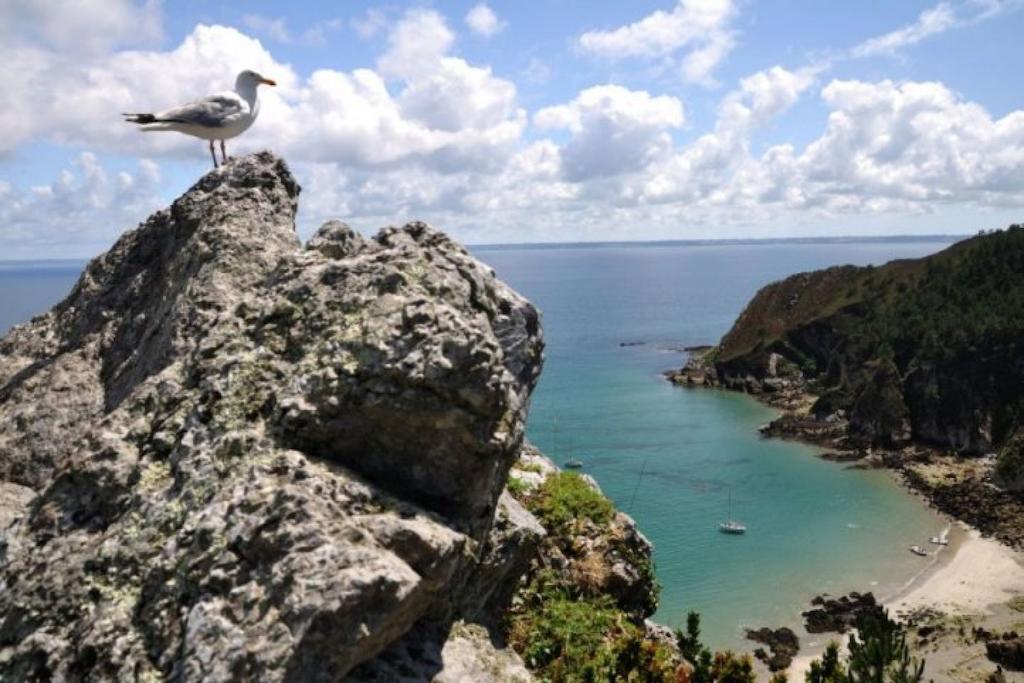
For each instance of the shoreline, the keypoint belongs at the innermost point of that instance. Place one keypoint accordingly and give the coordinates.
(975, 582)
(970, 585)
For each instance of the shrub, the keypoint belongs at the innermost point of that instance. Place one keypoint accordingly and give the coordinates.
(516, 486)
(565, 497)
(565, 638)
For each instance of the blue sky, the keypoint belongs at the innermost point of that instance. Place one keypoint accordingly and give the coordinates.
(527, 121)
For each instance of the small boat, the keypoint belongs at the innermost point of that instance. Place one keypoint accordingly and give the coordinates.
(573, 462)
(939, 540)
(731, 526)
(918, 550)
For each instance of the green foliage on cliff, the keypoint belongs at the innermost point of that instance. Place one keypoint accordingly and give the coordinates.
(932, 345)
(565, 498)
(564, 636)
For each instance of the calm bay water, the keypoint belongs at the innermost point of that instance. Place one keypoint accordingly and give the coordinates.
(667, 455)
(813, 526)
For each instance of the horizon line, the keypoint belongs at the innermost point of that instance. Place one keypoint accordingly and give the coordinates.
(696, 242)
(846, 239)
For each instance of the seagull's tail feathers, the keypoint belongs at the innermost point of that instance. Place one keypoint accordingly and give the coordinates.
(139, 118)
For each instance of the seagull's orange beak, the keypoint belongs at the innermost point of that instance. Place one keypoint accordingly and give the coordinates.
(267, 81)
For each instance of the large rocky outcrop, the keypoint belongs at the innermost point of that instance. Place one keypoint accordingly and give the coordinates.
(231, 457)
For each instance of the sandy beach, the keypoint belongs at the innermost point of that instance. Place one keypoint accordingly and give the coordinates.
(969, 585)
(971, 576)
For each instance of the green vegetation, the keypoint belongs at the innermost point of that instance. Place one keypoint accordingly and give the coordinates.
(564, 623)
(828, 669)
(723, 667)
(565, 499)
(930, 342)
(516, 486)
(878, 654)
(570, 638)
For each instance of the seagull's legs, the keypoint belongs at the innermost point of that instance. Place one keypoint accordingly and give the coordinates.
(213, 154)
(223, 154)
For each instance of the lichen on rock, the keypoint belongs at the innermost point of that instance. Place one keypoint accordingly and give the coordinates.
(228, 456)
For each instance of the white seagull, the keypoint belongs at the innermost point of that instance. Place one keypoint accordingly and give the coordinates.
(215, 117)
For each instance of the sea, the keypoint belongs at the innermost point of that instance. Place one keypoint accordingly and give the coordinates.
(615, 317)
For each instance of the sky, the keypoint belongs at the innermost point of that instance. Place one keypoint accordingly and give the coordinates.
(527, 121)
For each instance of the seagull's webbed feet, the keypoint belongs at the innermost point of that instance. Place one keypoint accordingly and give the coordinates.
(223, 154)
(213, 155)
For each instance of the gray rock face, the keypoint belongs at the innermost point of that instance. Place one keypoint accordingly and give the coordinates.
(229, 457)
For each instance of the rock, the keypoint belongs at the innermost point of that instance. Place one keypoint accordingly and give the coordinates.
(614, 559)
(837, 615)
(513, 542)
(783, 643)
(1008, 653)
(456, 653)
(253, 460)
(14, 501)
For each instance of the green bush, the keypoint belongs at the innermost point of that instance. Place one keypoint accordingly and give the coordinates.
(516, 486)
(564, 498)
(566, 638)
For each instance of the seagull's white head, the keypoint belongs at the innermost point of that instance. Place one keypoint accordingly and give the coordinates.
(250, 80)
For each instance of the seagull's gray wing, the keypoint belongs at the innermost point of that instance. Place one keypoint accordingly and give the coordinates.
(214, 111)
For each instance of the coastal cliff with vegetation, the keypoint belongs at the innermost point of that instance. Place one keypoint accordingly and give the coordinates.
(228, 455)
(915, 364)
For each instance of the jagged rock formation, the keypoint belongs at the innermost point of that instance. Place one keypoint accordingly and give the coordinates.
(231, 457)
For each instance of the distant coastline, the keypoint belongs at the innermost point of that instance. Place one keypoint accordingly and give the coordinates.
(842, 239)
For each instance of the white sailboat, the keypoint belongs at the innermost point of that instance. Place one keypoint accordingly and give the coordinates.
(730, 525)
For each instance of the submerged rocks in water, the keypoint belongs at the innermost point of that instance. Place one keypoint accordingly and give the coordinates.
(837, 615)
(783, 643)
(239, 458)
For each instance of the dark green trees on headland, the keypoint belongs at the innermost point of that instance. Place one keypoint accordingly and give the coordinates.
(929, 350)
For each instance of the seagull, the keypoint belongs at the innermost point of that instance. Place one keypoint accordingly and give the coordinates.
(215, 117)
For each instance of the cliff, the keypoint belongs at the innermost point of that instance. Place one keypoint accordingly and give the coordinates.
(919, 361)
(925, 350)
(227, 455)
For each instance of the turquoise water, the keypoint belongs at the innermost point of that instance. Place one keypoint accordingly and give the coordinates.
(813, 527)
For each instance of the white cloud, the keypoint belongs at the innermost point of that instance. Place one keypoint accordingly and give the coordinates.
(918, 142)
(435, 109)
(273, 28)
(482, 20)
(701, 28)
(614, 130)
(81, 26)
(536, 71)
(415, 44)
(85, 208)
(317, 33)
(427, 134)
(932, 21)
(762, 96)
(370, 24)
